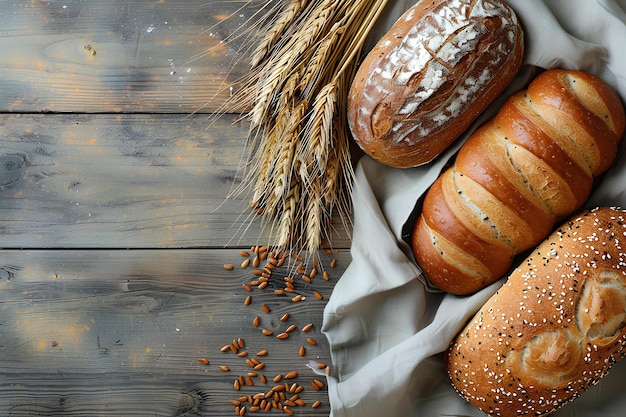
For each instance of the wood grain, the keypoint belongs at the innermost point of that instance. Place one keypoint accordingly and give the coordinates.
(121, 55)
(124, 181)
(119, 333)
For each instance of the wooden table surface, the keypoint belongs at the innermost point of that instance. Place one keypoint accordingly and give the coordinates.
(115, 226)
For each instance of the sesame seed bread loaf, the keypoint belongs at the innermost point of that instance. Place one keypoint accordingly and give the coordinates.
(516, 177)
(554, 328)
(438, 67)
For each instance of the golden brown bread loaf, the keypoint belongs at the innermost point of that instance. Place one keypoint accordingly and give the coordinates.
(440, 65)
(555, 327)
(528, 168)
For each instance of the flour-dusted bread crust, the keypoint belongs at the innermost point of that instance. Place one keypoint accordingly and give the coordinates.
(516, 177)
(440, 65)
(556, 326)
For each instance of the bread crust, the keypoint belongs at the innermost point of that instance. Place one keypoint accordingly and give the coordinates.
(439, 66)
(554, 328)
(517, 176)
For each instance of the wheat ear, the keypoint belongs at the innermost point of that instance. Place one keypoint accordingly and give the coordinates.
(301, 164)
(273, 35)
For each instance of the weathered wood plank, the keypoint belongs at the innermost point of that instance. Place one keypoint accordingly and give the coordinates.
(119, 333)
(120, 55)
(124, 181)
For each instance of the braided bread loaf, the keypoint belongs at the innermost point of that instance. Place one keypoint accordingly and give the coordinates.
(529, 167)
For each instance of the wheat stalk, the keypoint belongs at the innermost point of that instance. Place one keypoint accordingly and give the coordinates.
(300, 168)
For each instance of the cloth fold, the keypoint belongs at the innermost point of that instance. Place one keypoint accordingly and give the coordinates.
(387, 327)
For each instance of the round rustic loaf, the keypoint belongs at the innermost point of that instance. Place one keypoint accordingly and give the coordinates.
(554, 328)
(428, 78)
(516, 177)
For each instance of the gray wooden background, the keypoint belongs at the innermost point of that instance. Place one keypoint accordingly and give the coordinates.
(115, 224)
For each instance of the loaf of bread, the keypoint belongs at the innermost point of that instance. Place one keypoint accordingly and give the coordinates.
(516, 177)
(440, 65)
(554, 328)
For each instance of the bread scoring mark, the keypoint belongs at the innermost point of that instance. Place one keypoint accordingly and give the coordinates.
(552, 357)
(543, 181)
(587, 97)
(449, 251)
(473, 210)
(601, 310)
(547, 121)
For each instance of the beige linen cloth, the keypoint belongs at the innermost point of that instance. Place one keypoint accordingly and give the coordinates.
(386, 326)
